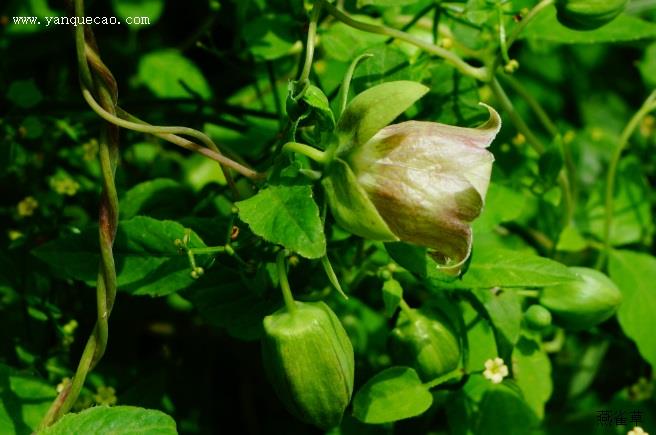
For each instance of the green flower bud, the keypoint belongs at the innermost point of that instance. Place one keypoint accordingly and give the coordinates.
(588, 14)
(419, 182)
(309, 360)
(537, 317)
(426, 342)
(583, 303)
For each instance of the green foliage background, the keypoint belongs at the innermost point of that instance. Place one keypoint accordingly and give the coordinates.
(189, 347)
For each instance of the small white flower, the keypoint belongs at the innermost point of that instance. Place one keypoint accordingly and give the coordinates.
(637, 431)
(496, 370)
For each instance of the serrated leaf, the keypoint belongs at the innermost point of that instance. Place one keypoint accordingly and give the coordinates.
(115, 420)
(288, 216)
(505, 268)
(375, 108)
(392, 295)
(635, 275)
(394, 394)
(532, 372)
(147, 261)
(623, 28)
(24, 399)
(164, 71)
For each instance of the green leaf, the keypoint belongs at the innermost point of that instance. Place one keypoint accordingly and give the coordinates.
(393, 394)
(147, 261)
(387, 63)
(31, 8)
(24, 93)
(138, 8)
(635, 275)
(316, 99)
(230, 300)
(250, 141)
(411, 257)
(350, 205)
(24, 399)
(392, 295)
(532, 372)
(505, 268)
(623, 28)
(375, 108)
(550, 164)
(115, 420)
(480, 336)
(632, 217)
(648, 66)
(503, 412)
(343, 43)
(502, 204)
(161, 197)
(164, 71)
(505, 311)
(270, 37)
(286, 215)
(454, 97)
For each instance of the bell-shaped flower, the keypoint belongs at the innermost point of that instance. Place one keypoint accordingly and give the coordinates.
(418, 182)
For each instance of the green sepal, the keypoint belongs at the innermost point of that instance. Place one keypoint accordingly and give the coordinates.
(425, 341)
(583, 303)
(588, 14)
(309, 360)
(350, 205)
(374, 109)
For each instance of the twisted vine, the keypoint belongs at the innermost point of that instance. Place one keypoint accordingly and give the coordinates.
(106, 92)
(100, 91)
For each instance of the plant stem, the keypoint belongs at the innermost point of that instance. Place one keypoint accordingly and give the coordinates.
(502, 35)
(284, 282)
(108, 222)
(308, 151)
(529, 293)
(346, 83)
(480, 73)
(509, 108)
(647, 106)
(169, 134)
(409, 312)
(208, 250)
(455, 374)
(533, 104)
(311, 40)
